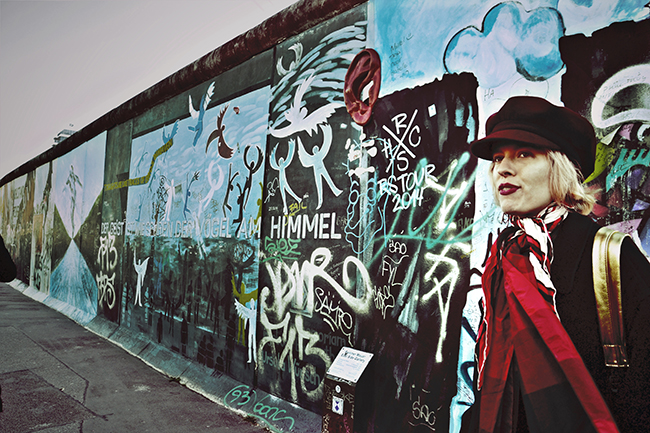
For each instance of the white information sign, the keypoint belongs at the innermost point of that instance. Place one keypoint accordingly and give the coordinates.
(349, 364)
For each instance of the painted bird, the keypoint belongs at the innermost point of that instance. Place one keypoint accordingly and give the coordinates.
(218, 134)
(298, 116)
(198, 114)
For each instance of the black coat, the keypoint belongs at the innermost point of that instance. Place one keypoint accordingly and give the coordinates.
(625, 390)
(7, 266)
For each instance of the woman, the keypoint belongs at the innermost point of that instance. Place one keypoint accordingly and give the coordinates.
(7, 266)
(540, 364)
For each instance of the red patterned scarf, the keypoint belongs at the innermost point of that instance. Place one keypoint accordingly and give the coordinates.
(523, 347)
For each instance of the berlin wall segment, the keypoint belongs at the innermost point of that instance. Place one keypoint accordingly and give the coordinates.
(255, 228)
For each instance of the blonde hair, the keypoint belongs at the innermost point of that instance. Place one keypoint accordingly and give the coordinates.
(565, 184)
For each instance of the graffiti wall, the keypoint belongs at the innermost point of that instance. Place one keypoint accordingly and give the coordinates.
(18, 210)
(321, 195)
(612, 98)
(306, 265)
(421, 245)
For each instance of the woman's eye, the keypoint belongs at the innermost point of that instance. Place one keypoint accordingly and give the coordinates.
(524, 154)
(497, 158)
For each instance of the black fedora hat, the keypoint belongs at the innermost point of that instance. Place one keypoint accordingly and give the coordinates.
(536, 122)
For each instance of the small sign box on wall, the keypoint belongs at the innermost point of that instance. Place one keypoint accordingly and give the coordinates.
(349, 364)
(340, 391)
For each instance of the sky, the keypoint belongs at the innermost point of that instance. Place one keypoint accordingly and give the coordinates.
(64, 64)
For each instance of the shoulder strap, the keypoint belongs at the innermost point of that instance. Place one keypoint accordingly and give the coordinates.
(606, 261)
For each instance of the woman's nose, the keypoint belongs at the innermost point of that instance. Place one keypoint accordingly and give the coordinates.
(505, 168)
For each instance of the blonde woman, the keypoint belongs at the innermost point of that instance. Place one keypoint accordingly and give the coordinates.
(540, 363)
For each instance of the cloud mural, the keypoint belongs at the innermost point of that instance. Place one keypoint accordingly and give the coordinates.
(512, 41)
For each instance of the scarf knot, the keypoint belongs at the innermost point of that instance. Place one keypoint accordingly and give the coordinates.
(533, 238)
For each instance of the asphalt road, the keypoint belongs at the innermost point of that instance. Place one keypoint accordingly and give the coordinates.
(58, 377)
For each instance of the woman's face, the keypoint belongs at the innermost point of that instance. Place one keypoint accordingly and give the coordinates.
(521, 177)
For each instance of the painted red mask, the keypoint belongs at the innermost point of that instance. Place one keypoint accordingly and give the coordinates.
(365, 69)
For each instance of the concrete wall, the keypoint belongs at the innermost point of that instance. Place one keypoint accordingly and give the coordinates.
(241, 228)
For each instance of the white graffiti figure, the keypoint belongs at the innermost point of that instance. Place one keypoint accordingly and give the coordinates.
(200, 113)
(249, 316)
(281, 166)
(317, 160)
(297, 49)
(141, 269)
(214, 186)
(170, 198)
(71, 183)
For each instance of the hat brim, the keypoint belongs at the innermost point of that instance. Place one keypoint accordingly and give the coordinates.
(484, 148)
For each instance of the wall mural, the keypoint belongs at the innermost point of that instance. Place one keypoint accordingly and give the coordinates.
(18, 212)
(192, 230)
(334, 204)
(76, 194)
(41, 257)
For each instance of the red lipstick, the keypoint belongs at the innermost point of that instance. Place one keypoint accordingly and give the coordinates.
(507, 188)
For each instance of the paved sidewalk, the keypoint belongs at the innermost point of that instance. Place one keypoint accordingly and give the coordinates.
(58, 377)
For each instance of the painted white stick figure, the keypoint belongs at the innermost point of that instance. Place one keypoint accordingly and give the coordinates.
(214, 186)
(141, 269)
(317, 160)
(249, 315)
(281, 166)
(170, 199)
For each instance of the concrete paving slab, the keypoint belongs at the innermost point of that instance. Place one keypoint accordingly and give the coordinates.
(29, 355)
(163, 359)
(30, 403)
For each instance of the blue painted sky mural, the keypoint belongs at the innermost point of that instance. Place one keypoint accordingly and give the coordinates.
(203, 173)
(412, 41)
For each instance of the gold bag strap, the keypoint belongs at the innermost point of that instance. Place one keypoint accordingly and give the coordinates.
(606, 261)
